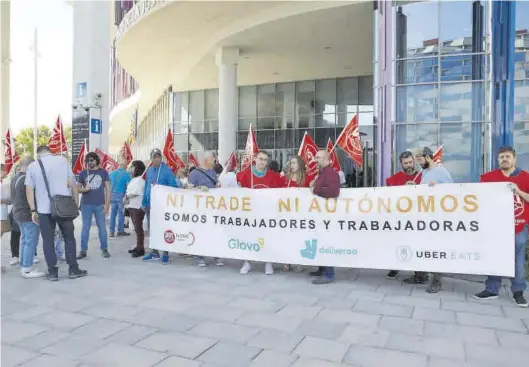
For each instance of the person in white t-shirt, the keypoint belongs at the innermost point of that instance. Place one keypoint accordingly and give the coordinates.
(133, 200)
(228, 179)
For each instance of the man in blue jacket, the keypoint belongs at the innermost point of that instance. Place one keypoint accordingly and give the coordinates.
(158, 174)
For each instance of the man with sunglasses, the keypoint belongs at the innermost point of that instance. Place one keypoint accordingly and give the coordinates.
(94, 184)
(407, 176)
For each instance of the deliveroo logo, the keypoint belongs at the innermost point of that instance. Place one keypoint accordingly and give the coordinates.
(311, 247)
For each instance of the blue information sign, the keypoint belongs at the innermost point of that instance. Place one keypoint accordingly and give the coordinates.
(96, 126)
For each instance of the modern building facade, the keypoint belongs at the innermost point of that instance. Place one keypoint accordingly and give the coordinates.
(425, 73)
(5, 60)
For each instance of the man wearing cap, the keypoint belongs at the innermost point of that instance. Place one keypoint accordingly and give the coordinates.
(158, 174)
(432, 174)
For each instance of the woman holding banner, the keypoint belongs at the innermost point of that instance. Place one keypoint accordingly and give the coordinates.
(133, 200)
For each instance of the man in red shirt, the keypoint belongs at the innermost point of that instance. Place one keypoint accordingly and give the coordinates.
(408, 176)
(258, 176)
(519, 180)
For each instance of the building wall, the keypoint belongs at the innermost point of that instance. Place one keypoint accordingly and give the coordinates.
(5, 16)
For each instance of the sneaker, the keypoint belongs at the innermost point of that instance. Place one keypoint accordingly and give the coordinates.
(218, 262)
(269, 269)
(416, 279)
(132, 250)
(392, 274)
(14, 261)
(75, 273)
(36, 260)
(121, 234)
(317, 273)
(53, 274)
(246, 268)
(138, 253)
(151, 257)
(519, 299)
(165, 259)
(105, 254)
(201, 263)
(322, 280)
(31, 273)
(434, 287)
(81, 255)
(112, 234)
(485, 295)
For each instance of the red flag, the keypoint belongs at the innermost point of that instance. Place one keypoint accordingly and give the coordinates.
(438, 156)
(307, 152)
(333, 156)
(250, 151)
(107, 163)
(126, 153)
(80, 161)
(173, 160)
(192, 161)
(231, 163)
(349, 141)
(57, 142)
(11, 156)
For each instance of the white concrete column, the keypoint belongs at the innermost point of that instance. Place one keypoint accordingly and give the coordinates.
(5, 60)
(226, 59)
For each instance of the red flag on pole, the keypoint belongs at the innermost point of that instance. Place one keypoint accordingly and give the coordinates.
(250, 151)
(173, 160)
(438, 156)
(192, 161)
(80, 164)
(57, 142)
(231, 163)
(349, 141)
(333, 156)
(307, 152)
(107, 163)
(11, 156)
(126, 153)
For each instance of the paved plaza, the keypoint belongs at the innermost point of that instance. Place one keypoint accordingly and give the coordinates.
(128, 313)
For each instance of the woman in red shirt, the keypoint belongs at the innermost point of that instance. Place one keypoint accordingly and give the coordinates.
(296, 176)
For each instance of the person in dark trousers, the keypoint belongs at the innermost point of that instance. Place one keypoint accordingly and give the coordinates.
(133, 199)
(326, 185)
(119, 179)
(61, 181)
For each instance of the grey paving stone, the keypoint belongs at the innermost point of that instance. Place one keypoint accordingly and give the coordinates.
(11, 306)
(101, 328)
(401, 325)
(63, 320)
(224, 331)
(42, 340)
(351, 317)
(513, 340)
(217, 313)
(113, 311)
(165, 320)
(50, 361)
(472, 308)
(305, 312)
(336, 303)
(487, 321)
(357, 335)
(14, 331)
(276, 341)
(123, 356)
(255, 304)
(179, 362)
(366, 295)
(413, 301)
(74, 347)
(293, 298)
(313, 362)
(485, 356)
(463, 333)
(12, 356)
(363, 356)
(394, 289)
(444, 362)
(269, 358)
(181, 345)
(439, 347)
(230, 355)
(321, 329)
(270, 321)
(165, 304)
(325, 349)
(430, 314)
(131, 335)
(26, 314)
(420, 292)
(515, 312)
(379, 308)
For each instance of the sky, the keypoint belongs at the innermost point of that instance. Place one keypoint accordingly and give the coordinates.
(54, 22)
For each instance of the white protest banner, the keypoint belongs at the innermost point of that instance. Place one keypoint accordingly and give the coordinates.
(451, 228)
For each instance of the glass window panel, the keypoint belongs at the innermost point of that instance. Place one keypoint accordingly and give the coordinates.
(198, 127)
(417, 29)
(326, 120)
(457, 102)
(305, 121)
(284, 139)
(196, 106)
(298, 136)
(521, 63)
(286, 122)
(305, 98)
(365, 93)
(242, 136)
(283, 155)
(456, 19)
(417, 103)
(365, 118)
(196, 141)
(413, 71)
(212, 104)
(344, 118)
(211, 141)
(265, 100)
(248, 101)
(521, 100)
(521, 18)
(180, 106)
(265, 123)
(244, 124)
(347, 95)
(462, 67)
(265, 139)
(211, 126)
(180, 142)
(285, 99)
(322, 136)
(326, 103)
(521, 144)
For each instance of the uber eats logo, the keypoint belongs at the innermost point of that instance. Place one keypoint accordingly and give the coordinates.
(252, 246)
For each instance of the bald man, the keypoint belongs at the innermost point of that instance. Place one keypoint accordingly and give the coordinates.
(326, 185)
(119, 180)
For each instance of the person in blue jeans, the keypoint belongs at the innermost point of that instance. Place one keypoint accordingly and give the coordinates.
(158, 173)
(94, 184)
(119, 180)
